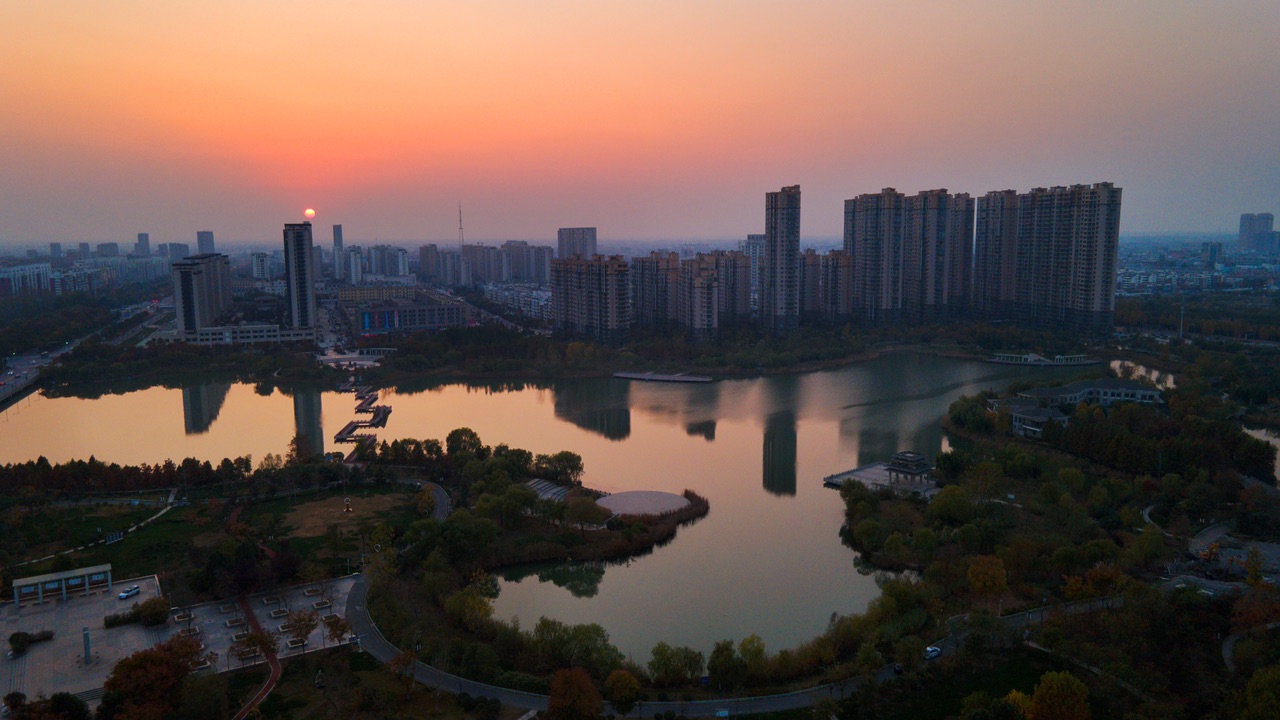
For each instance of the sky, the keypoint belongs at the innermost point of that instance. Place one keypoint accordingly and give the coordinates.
(650, 120)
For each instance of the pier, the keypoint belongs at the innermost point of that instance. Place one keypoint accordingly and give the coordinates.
(659, 377)
(350, 433)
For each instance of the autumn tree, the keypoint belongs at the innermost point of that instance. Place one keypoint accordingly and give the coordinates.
(401, 665)
(726, 667)
(302, 623)
(1059, 696)
(336, 628)
(1262, 695)
(752, 650)
(573, 696)
(148, 683)
(623, 691)
(987, 576)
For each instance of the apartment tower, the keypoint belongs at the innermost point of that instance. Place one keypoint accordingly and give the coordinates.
(779, 289)
(300, 275)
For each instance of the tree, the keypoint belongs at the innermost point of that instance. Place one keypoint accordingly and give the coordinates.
(623, 691)
(302, 623)
(752, 650)
(1059, 696)
(584, 511)
(1262, 695)
(300, 450)
(675, 665)
(336, 628)
(426, 501)
(987, 576)
(401, 665)
(726, 667)
(463, 440)
(573, 696)
(148, 683)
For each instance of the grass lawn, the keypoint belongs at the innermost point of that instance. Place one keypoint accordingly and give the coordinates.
(54, 529)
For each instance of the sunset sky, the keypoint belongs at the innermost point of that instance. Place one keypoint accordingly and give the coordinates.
(650, 120)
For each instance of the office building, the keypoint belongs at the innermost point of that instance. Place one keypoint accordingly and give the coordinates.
(779, 289)
(178, 251)
(576, 241)
(1257, 231)
(1063, 266)
(142, 248)
(201, 291)
(591, 297)
(337, 240)
(204, 242)
(300, 275)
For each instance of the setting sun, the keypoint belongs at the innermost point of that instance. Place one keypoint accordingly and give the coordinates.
(309, 213)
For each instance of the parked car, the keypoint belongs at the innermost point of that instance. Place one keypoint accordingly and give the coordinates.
(126, 594)
(931, 652)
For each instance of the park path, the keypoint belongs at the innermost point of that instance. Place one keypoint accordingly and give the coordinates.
(272, 661)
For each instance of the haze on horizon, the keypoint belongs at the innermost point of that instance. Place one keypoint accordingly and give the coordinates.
(649, 120)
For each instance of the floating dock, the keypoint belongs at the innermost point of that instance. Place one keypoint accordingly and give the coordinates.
(659, 377)
(1035, 360)
(350, 433)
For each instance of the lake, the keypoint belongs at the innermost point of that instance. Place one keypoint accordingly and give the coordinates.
(766, 560)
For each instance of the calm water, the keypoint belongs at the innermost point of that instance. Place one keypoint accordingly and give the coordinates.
(768, 558)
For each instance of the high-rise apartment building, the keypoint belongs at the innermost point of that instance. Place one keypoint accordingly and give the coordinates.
(108, 249)
(810, 282)
(1257, 232)
(178, 251)
(654, 284)
(733, 272)
(55, 249)
(697, 297)
(779, 289)
(30, 279)
(836, 287)
(300, 275)
(1063, 266)
(576, 241)
(337, 240)
(753, 247)
(591, 297)
(204, 242)
(937, 249)
(201, 291)
(872, 237)
(260, 264)
(1211, 255)
(142, 248)
(85, 251)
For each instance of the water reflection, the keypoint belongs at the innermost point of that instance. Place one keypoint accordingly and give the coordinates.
(582, 580)
(307, 417)
(597, 405)
(780, 443)
(201, 405)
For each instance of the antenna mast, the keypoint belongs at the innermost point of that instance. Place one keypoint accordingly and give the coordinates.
(461, 237)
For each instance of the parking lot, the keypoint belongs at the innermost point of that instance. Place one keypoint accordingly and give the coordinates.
(58, 665)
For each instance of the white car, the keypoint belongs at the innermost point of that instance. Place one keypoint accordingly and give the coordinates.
(932, 652)
(126, 594)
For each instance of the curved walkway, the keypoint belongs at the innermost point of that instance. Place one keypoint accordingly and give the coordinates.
(272, 661)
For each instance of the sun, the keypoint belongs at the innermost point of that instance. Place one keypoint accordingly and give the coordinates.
(309, 213)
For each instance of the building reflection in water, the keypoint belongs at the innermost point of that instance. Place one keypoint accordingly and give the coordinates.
(780, 453)
(306, 417)
(201, 405)
(600, 406)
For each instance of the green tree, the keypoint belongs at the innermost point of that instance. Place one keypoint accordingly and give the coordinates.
(987, 576)
(752, 650)
(1059, 696)
(726, 667)
(1262, 695)
(463, 440)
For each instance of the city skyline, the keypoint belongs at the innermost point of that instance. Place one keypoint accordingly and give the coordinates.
(659, 122)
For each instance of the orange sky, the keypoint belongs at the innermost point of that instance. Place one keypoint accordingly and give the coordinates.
(647, 119)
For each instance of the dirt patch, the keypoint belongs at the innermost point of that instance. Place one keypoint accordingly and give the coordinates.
(314, 518)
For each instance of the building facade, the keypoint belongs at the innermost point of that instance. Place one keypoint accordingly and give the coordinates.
(591, 297)
(300, 275)
(204, 242)
(779, 289)
(201, 292)
(576, 241)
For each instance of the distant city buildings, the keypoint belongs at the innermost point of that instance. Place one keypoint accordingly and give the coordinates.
(1257, 233)
(260, 266)
(576, 241)
(204, 242)
(142, 248)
